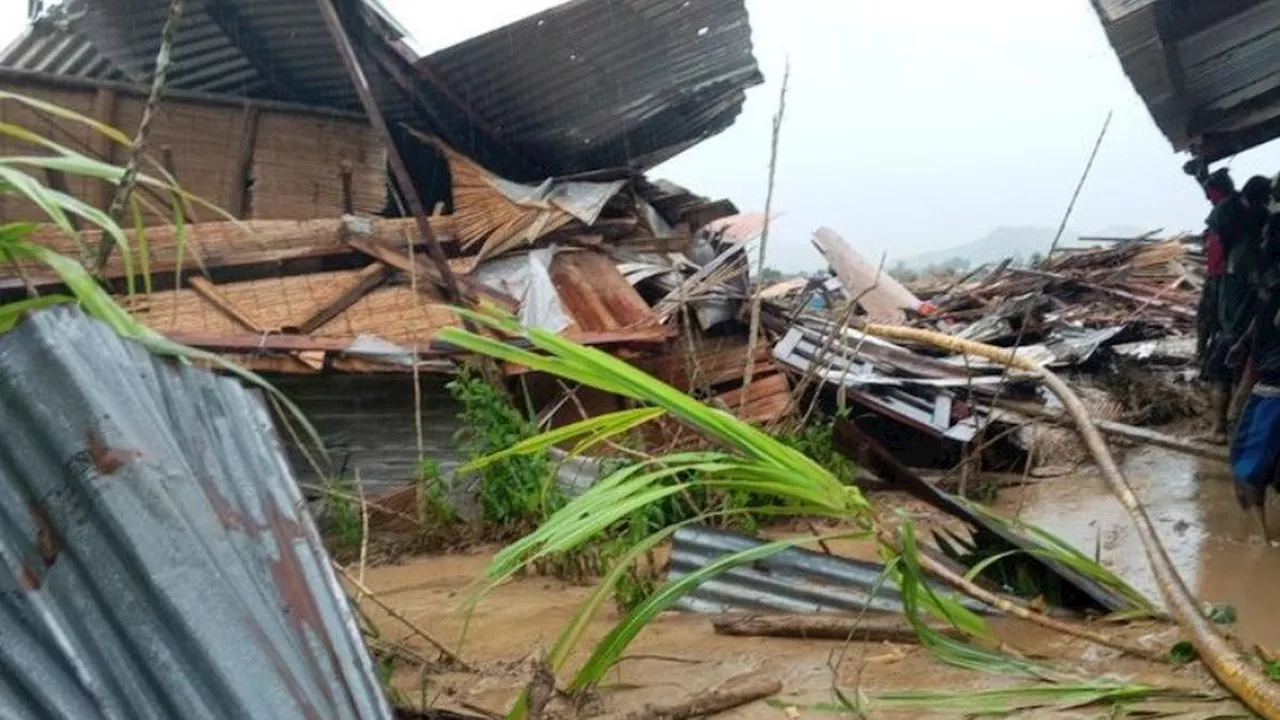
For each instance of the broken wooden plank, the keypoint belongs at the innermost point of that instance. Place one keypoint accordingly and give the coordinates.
(209, 292)
(884, 298)
(368, 279)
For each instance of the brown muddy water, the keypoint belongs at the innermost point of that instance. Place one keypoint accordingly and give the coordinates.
(1216, 548)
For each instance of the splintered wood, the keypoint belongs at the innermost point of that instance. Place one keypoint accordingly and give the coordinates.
(487, 218)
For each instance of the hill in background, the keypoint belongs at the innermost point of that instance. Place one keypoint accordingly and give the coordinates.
(1018, 242)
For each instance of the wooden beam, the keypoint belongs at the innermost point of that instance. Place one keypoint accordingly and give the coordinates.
(104, 111)
(308, 246)
(348, 195)
(1120, 430)
(238, 193)
(401, 261)
(209, 292)
(368, 279)
(273, 342)
(57, 180)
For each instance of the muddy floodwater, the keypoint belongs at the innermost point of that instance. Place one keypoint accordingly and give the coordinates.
(1216, 548)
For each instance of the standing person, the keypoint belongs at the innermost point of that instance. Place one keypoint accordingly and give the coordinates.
(1245, 264)
(1255, 449)
(1221, 321)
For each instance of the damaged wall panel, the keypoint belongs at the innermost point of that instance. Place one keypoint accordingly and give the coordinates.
(295, 162)
(156, 557)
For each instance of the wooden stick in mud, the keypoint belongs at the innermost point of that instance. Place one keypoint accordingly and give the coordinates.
(368, 594)
(732, 693)
(868, 627)
(1120, 430)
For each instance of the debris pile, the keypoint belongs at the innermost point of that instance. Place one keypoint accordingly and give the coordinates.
(1147, 287)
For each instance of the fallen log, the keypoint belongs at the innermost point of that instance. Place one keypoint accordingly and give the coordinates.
(732, 693)
(873, 627)
(1120, 430)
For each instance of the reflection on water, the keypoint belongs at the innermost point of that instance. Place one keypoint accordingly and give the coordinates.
(1216, 548)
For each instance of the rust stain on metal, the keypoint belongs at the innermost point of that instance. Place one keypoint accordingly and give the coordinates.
(48, 541)
(226, 513)
(596, 295)
(107, 460)
(291, 583)
(30, 579)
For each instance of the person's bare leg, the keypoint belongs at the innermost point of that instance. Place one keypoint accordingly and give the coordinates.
(1261, 509)
(1220, 403)
(1239, 398)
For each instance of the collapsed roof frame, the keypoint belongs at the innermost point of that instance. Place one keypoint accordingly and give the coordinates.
(1209, 72)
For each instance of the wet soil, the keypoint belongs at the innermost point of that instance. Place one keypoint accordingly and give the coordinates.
(679, 654)
(1217, 548)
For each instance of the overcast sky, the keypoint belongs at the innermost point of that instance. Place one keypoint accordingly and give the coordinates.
(914, 125)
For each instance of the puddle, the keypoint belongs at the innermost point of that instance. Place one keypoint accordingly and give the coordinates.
(1216, 548)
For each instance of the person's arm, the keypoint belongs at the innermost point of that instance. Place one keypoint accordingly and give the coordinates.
(1241, 347)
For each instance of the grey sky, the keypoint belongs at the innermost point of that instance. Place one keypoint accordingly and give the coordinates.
(914, 125)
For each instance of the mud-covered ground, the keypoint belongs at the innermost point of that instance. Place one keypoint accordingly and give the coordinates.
(1217, 549)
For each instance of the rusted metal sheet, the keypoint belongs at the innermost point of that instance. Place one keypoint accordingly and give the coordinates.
(596, 295)
(156, 556)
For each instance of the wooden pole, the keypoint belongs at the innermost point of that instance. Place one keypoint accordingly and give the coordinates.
(1120, 430)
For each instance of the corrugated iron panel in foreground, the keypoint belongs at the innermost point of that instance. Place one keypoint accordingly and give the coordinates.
(794, 580)
(156, 559)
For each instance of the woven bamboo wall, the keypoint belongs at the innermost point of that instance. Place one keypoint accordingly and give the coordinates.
(204, 140)
(14, 113)
(297, 167)
(296, 163)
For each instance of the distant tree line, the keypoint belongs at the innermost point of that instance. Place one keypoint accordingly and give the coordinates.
(954, 268)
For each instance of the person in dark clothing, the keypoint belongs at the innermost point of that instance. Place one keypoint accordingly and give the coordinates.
(1245, 265)
(1255, 449)
(1223, 314)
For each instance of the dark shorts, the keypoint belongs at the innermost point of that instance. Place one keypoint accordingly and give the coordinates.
(1255, 449)
(1207, 310)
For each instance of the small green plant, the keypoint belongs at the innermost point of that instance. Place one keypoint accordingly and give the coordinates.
(435, 508)
(1182, 653)
(817, 440)
(516, 493)
(342, 518)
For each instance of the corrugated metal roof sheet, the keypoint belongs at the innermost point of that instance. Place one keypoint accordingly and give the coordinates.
(587, 85)
(794, 580)
(156, 557)
(603, 83)
(1209, 73)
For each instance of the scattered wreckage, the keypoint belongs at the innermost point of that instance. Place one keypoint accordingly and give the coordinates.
(541, 209)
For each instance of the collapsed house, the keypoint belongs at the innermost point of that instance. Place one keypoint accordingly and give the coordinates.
(529, 176)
